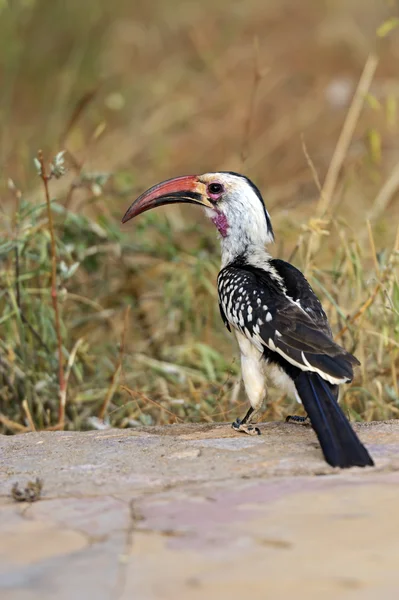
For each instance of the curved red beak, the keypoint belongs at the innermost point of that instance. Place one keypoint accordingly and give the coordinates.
(187, 189)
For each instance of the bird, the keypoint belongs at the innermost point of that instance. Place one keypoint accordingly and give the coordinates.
(281, 328)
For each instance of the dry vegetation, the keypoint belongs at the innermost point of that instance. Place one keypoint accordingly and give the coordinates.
(137, 93)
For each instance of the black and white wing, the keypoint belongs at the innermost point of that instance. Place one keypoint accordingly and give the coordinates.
(278, 311)
(298, 288)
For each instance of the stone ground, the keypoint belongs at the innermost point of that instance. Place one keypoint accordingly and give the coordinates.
(198, 512)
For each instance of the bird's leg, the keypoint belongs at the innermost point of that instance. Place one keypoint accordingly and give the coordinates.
(244, 425)
(298, 420)
(254, 382)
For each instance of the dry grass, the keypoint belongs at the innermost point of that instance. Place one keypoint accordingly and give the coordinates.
(139, 94)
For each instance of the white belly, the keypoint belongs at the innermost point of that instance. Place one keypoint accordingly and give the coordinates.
(255, 369)
(282, 381)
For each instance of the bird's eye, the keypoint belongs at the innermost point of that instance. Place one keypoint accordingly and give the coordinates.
(215, 189)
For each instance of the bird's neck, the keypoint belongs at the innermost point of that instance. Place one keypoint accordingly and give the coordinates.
(244, 233)
(244, 251)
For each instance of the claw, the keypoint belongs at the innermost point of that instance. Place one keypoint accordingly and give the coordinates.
(298, 420)
(242, 428)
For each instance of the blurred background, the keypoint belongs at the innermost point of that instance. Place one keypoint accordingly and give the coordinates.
(296, 95)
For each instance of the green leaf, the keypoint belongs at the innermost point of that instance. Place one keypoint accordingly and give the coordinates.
(375, 145)
(373, 102)
(387, 27)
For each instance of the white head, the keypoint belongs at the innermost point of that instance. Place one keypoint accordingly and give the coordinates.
(231, 201)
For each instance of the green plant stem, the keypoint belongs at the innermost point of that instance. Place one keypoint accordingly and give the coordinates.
(54, 296)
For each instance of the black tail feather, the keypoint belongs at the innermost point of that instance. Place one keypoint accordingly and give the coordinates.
(340, 445)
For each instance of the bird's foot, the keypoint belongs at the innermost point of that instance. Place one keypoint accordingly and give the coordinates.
(298, 420)
(245, 428)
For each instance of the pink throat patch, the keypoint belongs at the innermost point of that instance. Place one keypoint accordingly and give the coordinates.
(221, 223)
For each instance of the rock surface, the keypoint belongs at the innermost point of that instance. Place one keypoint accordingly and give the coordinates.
(198, 512)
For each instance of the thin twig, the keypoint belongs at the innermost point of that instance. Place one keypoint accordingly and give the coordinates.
(373, 250)
(28, 414)
(134, 393)
(77, 111)
(312, 167)
(385, 194)
(54, 296)
(316, 179)
(341, 149)
(346, 134)
(252, 101)
(118, 369)
(71, 361)
(12, 425)
(360, 312)
(223, 413)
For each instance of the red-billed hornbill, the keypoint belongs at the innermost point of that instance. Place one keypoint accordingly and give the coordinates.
(279, 323)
